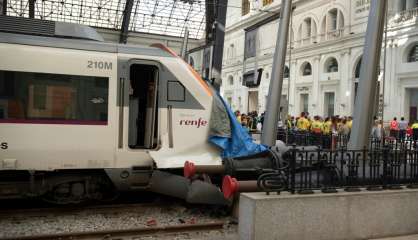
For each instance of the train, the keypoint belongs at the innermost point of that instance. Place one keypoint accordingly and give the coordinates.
(83, 119)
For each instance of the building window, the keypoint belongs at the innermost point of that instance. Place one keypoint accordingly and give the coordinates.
(358, 68)
(333, 14)
(329, 99)
(267, 2)
(231, 80)
(413, 54)
(53, 98)
(306, 69)
(245, 8)
(250, 43)
(304, 102)
(331, 65)
(229, 100)
(286, 72)
(308, 27)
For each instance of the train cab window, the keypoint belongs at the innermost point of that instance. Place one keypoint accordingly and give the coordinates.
(143, 106)
(45, 98)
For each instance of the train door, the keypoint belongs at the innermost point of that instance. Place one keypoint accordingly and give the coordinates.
(138, 131)
(142, 130)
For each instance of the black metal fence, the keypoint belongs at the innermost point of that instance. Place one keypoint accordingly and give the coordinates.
(377, 168)
(338, 141)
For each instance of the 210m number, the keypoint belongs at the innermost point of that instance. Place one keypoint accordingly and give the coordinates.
(99, 65)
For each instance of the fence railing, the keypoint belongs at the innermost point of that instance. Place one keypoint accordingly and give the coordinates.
(404, 16)
(338, 141)
(306, 170)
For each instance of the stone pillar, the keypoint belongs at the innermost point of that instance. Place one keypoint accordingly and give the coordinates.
(315, 89)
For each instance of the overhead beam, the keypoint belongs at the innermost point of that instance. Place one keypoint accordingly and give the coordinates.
(3, 7)
(218, 47)
(210, 19)
(32, 8)
(269, 134)
(125, 22)
(184, 45)
(363, 110)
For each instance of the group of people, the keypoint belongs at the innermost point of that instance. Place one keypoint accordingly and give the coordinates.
(336, 125)
(320, 125)
(250, 121)
(402, 129)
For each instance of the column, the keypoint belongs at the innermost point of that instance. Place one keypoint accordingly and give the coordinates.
(315, 89)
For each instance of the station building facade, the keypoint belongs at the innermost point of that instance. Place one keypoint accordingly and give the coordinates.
(324, 57)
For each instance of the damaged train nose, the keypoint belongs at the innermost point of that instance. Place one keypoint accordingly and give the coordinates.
(192, 191)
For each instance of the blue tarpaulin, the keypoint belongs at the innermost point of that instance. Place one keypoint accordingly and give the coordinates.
(239, 143)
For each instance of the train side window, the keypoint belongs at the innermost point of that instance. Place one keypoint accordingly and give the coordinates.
(176, 91)
(46, 98)
(143, 106)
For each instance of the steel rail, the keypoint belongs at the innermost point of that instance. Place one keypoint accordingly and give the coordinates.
(134, 232)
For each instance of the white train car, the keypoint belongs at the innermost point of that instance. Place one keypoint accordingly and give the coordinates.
(78, 115)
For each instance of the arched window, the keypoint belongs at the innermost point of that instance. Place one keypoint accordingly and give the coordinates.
(331, 65)
(230, 80)
(332, 25)
(358, 68)
(286, 72)
(306, 69)
(413, 54)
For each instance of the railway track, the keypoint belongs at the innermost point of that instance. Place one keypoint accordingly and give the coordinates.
(127, 233)
(112, 221)
(34, 212)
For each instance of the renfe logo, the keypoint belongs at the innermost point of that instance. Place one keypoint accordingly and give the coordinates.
(197, 123)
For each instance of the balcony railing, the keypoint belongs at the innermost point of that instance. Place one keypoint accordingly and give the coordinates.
(405, 16)
(332, 35)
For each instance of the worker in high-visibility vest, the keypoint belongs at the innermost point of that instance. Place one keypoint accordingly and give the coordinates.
(415, 130)
(316, 126)
(303, 123)
(326, 126)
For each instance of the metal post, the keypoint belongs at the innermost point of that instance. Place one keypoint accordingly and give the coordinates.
(269, 134)
(218, 48)
(32, 8)
(125, 22)
(363, 111)
(184, 45)
(384, 69)
(3, 7)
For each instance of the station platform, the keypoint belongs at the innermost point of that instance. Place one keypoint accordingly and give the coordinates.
(333, 216)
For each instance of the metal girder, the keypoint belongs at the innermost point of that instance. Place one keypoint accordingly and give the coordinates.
(210, 19)
(218, 47)
(126, 20)
(269, 134)
(184, 45)
(32, 8)
(3, 7)
(363, 111)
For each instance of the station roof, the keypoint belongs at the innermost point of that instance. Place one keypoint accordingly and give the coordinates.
(165, 17)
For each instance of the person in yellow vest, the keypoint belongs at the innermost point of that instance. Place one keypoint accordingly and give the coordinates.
(350, 122)
(303, 123)
(415, 131)
(316, 126)
(326, 126)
